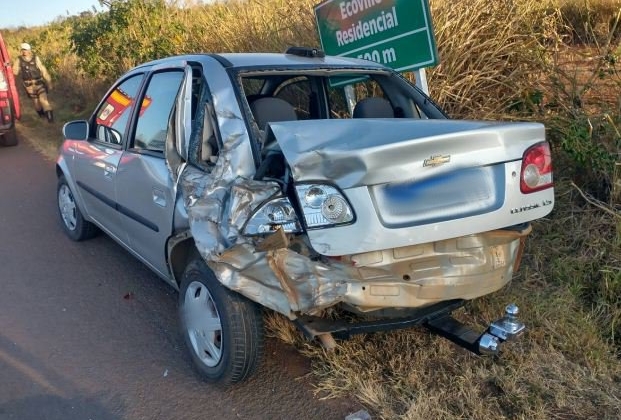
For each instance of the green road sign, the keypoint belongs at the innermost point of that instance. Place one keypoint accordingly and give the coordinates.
(396, 33)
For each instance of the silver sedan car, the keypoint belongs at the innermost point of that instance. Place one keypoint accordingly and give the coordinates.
(298, 182)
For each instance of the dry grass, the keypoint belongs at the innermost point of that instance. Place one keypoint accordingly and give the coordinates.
(268, 26)
(561, 369)
(481, 50)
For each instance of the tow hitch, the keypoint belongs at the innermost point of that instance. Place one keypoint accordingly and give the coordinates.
(507, 328)
(437, 318)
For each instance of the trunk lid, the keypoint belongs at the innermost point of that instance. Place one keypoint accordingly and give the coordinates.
(353, 153)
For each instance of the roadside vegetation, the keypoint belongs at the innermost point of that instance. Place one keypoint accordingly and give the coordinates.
(553, 61)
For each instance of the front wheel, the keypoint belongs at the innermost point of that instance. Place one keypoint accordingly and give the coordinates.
(71, 217)
(222, 329)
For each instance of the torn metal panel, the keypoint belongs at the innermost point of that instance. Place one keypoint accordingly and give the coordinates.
(409, 277)
(282, 280)
(236, 147)
(218, 208)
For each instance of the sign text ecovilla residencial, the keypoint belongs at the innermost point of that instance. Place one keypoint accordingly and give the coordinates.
(396, 33)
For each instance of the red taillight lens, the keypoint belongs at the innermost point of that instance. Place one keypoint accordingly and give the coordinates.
(536, 171)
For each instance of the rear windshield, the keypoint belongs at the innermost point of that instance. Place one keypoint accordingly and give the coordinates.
(336, 94)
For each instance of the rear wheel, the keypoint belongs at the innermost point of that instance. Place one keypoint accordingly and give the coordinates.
(222, 329)
(9, 138)
(72, 220)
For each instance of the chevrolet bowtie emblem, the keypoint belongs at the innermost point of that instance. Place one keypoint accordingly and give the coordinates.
(437, 160)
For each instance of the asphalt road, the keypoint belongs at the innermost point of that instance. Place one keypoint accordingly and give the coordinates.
(88, 332)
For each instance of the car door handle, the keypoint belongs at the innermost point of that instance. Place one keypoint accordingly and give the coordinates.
(109, 171)
(159, 197)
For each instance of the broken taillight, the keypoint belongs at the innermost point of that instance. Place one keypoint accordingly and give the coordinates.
(536, 173)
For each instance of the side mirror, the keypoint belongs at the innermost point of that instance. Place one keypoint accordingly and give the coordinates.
(76, 130)
(109, 135)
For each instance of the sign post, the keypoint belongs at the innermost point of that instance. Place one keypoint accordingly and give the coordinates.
(396, 33)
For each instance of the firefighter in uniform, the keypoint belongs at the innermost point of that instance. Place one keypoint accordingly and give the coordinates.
(36, 79)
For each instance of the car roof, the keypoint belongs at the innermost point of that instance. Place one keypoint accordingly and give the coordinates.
(275, 59)
(249, 60)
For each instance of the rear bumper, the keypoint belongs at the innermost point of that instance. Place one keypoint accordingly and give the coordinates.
(461, 268)
(293, 283)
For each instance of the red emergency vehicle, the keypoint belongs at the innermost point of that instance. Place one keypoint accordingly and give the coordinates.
(9, 99)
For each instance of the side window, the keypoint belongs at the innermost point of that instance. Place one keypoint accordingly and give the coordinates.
(297, 92)
(252, 86)
(339, 102)
(113, 116)
(155, 111)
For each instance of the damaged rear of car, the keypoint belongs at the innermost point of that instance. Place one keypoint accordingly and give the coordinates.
(383, 208)
(304, 182)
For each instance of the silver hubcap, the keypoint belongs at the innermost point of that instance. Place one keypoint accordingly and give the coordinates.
(203, 324)
(67, 207)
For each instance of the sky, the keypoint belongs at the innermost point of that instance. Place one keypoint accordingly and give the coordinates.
(16, 13)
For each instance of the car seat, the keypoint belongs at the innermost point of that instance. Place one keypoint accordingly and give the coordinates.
(373, 108)
(271, 109)
(266, 110)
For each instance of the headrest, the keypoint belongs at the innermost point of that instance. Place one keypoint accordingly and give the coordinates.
(373, 108)
(270, 109)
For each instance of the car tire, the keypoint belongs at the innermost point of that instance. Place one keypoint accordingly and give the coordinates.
(71, 217)
(222, 329)
(9, 138)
